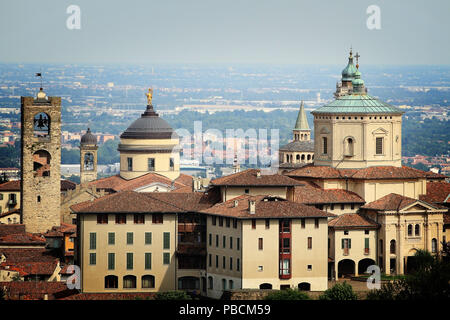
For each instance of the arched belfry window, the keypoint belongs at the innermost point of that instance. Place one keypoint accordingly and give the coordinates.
(41, 125)
(325, 145)
(88, 162)
(41, 163)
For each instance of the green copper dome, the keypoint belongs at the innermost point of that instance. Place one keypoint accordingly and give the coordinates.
(349, 71)
(357, 104)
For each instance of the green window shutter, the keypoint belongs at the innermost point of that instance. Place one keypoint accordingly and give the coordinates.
(349, 243)
(148, 238)
(148, 260)
(366, 243)
(129, 237)
(92, 241)
(166, 243)
(92, 259)
(111, 238)
(343, 244)
(166, 258)
(129, 260)
(111, 261)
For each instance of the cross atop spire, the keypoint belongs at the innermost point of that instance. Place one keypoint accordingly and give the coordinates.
(357, 59)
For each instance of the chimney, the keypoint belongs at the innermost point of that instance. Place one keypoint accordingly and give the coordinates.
(251, 206)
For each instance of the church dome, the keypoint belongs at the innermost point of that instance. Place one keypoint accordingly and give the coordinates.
(149, 126)
(349, 71)
(88, 138)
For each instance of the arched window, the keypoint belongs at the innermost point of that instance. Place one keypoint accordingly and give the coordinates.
(111, 282)
(392, 247)
(41, 163)
(210, 283)
(88, 162)
(287, 158)
(41, 125)
(148, 281)
(308, 157)
(410, 230)
(298, 158)
(417, 230)
(434, 245)
(325, 145)
(224, 284)
(129, 282)
(303, 157)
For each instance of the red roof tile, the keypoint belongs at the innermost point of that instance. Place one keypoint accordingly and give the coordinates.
(6, 229)
(352, 221)
(265, 207)
(17, 255)
(250, 178)
(10, 186)
(35, 290)
(28, 239)
(311, 193)
(437, 192)
(393, 202)
(32, 268)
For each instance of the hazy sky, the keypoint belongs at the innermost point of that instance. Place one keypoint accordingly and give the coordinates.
(226, 31)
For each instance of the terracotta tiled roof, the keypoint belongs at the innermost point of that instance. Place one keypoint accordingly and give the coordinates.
(437, 192)
(6, 229)
(352, 221)
(135, 202)
(435, 176)
(379, 172)
(250, 178)
(15, 185)
(447, 218)
(59, 231)
(265, 207)
(10, 186)
(117, 183)
(22, 239)
(17, 255)
(32, 268)
(311, 193)
(33, 290)
(393, 202)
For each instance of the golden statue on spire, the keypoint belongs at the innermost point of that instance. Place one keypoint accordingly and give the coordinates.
(149, 96)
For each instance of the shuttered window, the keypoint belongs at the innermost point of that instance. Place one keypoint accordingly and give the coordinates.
(148, 238)
(111, 238)
(129, 237)
(148, 260)
(92, 259)
(129, 260)
(111, 261)
(166, 258)
(366, 243)
(379, 146)
(166, 242)
(92, 241)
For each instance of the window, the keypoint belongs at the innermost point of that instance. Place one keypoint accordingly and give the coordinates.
(224, 284)
(209, 260)
(309, 242)
(267, 223)
(285, 245)
(41, 125)
(227, 222)
(102, 219)
(260, 243)
(92, 241)
(332, 207)
(346, 232)
(342, 206)
(220, 221)
(238, 264)
(231, 284)
(231, 242)
(157, 218)
(253, 223)
(217, 240)
(366, 231)
(325, 145)
(392, 247)
(111, 238)
(349, 147)
(130, 164)
(303, 222)
(139, 219)
(285, 226)
(129, 282)
(352, 206)
(247, 191)
(148, 238)
(151, 164)
(366, 245)
(417, 230)
(171, 164)
(166, 240)
(224, 240)
(316, 223)
(92, 259)
(235, 223)
(166, 258)
(214, 221)
(111, 282)
(309, 267)
(224, 262)
(129, 260)
(285, 267)
(210, 283)
(111, 261)
(121, 218)
(346, 243)
(433, 245)
(129, 237)
(231, 263)
(410, 230)
(210, 240)
(148, 282)
(148, 260)
(379, 145)
(260, 268)
(41, 163)
(217, 261)
(238, 243)
(88, 163)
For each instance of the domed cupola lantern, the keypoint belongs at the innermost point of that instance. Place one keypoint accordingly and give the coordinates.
(149, 144)
(88, 157)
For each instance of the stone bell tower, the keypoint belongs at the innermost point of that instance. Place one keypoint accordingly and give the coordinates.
(40, 162)
(88, 157)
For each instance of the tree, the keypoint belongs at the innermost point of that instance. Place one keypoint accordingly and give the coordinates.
(287, 294)
(172, 295)
(340, 291)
